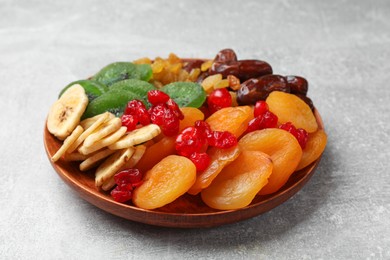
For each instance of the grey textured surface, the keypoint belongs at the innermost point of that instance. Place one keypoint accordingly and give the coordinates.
(341, 47)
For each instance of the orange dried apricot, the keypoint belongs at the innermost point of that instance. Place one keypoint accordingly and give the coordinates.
(232, 119)
(156, 152)
(284, 150)
(239, 182)
(191, 115)
(290, 108)
(165, 182)
(219, 158)
(314, 148)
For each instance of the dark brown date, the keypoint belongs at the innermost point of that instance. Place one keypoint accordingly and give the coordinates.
(298, 85)
(242, 69)
(256, 89)
(192, 64)
(225, 55)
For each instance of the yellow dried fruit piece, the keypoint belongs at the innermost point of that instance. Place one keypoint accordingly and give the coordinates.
(165, 182)
(314, 147)
(238, 183)
(156, 152)
(290, 108)
(191, 115)
(209, 82)
(206, 65)
(282, 147)
(232, 119)
(222, 84)
(219, 158)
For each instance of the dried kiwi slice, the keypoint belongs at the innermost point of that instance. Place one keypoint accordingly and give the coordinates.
(186, 94)
(119, 71)
(136, 86)
(93, 89)
(113, 101)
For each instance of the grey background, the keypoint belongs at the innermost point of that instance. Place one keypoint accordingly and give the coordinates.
(341, 47)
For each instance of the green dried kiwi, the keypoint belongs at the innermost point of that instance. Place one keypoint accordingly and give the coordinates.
(186, 94)
(113, 101)
(93, 89)
(136, 86)
(145, 71)
(119, 71)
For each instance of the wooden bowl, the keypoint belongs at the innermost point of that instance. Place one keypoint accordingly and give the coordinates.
(186, 212)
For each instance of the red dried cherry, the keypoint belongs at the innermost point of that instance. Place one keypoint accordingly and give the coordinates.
(222, 139)
(201, 160)
(189, 141)
(300, 134)
(156, 97)
(137, 108)
(266, 120)
(120, 195)
(128, 176)
(130, 121)
(219, 99)
(260, 108)
(172, 105)
(171, 123)
(126, 181)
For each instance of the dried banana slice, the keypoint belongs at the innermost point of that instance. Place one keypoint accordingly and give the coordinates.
(106, 141)
(138, 153)
(88, 131)
(86, 123)
(67, 143)
(137, 136)
(112, 165)
(65, 113)
(103, 131)
(94, 159)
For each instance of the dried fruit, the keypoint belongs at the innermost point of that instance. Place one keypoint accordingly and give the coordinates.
(191, 115)
(219, 158)
(266, 120)
(232, 119)
(156, 152)
(238, 183)
(165, 182)
(256, 89)
(282, 147)
(300, 134)
(290, 108)
(298, 85)
(242, 69)
(218, 99)
(201, 160)
(314, 147)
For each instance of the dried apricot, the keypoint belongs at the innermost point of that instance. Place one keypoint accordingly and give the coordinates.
(191, 115)
(239, 182)
(156, 152)
(284, 150)
(219, 158)
(314, 148)
(165, 182)
(232, 119)
(290, 108)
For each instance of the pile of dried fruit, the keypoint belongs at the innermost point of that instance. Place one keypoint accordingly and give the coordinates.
(152, 131)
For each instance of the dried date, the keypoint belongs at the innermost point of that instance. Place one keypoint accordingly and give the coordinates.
(298, 85)
(242, 69)
(225, 55)
(256, 89)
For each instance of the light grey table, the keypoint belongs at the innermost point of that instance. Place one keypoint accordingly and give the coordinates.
(341, 47)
